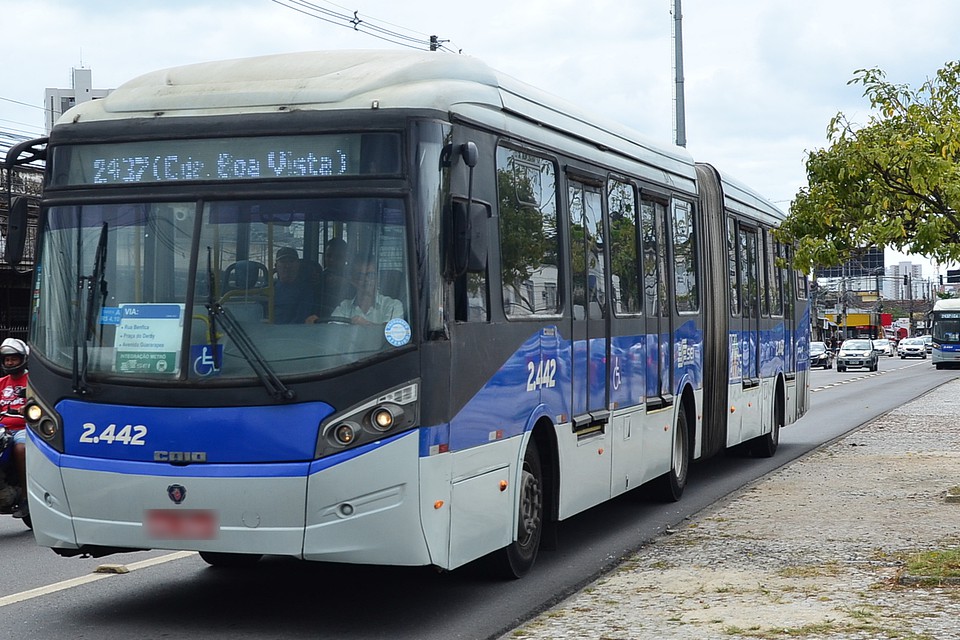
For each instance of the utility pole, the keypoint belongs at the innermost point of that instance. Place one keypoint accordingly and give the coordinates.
(679, 115)
(909, 286)
(843, 302)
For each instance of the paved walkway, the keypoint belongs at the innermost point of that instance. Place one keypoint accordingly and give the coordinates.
(814, 550)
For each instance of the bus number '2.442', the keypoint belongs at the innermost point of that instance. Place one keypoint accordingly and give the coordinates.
(130, 434)
(542, 375)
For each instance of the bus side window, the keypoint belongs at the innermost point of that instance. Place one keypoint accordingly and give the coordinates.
(529, 243)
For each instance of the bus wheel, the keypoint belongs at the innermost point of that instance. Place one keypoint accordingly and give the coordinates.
(517, 558)
(765, 446)
(669, 487)
(230, 560)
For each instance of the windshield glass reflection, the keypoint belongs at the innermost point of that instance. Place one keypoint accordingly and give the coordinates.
(308, 285)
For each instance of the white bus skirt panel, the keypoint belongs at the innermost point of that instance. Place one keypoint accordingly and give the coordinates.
(255, 514)
(367, 509)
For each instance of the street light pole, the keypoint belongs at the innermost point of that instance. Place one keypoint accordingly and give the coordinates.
(843, 301)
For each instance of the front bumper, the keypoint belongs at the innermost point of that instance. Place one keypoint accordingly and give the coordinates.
(366, 508)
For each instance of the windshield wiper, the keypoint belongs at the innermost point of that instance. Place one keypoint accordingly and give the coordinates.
(85, 326)
(249, 351)
(211, 300)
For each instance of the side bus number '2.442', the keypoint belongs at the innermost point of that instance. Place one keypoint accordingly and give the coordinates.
(130, 434)
(542, 375)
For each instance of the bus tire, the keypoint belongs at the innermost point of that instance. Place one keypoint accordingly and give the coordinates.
(669, 487)
(516, 559)
(765, 446)
(230, 560)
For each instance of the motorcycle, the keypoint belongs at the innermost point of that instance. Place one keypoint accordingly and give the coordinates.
(11, 493)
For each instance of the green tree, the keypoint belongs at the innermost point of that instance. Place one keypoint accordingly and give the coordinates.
(894, 182)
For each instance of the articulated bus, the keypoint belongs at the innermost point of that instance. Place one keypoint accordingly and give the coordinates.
(562, 312)
(945, 319)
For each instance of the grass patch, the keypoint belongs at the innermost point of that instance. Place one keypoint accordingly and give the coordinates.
(933, 566)
(810, 571)
(825, 629)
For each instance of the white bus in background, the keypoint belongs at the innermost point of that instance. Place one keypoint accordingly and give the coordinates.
(945, 321)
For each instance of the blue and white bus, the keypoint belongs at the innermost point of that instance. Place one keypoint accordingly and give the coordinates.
(571, 312)
(945, 331)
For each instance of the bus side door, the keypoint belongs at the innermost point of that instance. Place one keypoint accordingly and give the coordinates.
(749, 408)
(659, 329)
(590, 306)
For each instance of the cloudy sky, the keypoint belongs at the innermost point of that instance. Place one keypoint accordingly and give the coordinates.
(762, 77)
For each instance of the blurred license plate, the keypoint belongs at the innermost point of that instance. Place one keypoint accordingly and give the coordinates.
(179, 524)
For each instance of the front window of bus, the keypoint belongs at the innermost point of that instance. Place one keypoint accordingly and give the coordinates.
(117, 295)
(311, 284)
(101, 261)
(946, 330)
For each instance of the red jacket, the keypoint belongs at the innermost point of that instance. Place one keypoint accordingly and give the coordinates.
(11, 399)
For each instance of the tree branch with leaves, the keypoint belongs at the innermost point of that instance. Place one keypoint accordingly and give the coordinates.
(894, 182)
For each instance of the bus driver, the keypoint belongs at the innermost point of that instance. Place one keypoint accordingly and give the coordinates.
(369, 306)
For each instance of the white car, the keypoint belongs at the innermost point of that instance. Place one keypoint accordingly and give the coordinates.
(883, 347)
(912, 348)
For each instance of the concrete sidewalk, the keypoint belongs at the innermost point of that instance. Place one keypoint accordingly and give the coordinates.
(814, 550)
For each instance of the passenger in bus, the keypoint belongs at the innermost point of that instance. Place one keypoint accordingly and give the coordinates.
(368, 306)
(293, 295)
(335, 280)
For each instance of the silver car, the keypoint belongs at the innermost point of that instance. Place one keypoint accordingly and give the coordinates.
(857, 353)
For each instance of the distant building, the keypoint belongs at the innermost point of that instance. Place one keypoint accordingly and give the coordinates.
(57, 101)
(868, 264)
(895, 287)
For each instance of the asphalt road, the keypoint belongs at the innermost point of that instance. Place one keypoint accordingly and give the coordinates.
(44, 597)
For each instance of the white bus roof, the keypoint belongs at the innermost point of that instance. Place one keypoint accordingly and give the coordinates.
(947, 304)
(385, 79)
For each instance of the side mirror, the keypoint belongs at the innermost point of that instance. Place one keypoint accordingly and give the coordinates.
(16, 231)
(470, 153)
(469, 241)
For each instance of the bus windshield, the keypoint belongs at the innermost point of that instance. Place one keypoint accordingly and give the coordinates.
(145, 289)
(946, 326)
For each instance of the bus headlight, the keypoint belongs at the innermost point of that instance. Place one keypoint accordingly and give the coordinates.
(390, 412)
(44, 422)
(34, 413)
(385, 416)
(345, 433)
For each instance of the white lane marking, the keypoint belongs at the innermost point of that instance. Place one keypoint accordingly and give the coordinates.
(864, 376)
(87, 579)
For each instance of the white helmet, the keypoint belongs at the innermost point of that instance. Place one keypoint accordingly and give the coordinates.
(15, 347)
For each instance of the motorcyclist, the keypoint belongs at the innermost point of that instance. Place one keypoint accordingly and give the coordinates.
(13, 387)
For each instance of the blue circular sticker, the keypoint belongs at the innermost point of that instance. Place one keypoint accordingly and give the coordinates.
(397, 332)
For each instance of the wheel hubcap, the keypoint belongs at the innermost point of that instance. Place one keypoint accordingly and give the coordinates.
(531, 506)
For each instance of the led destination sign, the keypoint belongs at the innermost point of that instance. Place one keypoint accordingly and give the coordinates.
(220, 159)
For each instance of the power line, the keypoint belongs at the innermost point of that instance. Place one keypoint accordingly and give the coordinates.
(24, 104)
(377, 28)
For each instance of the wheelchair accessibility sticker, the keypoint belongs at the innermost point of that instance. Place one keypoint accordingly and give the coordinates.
(204, 364)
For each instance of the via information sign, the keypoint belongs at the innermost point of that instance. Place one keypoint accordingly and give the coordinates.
(148, 338)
